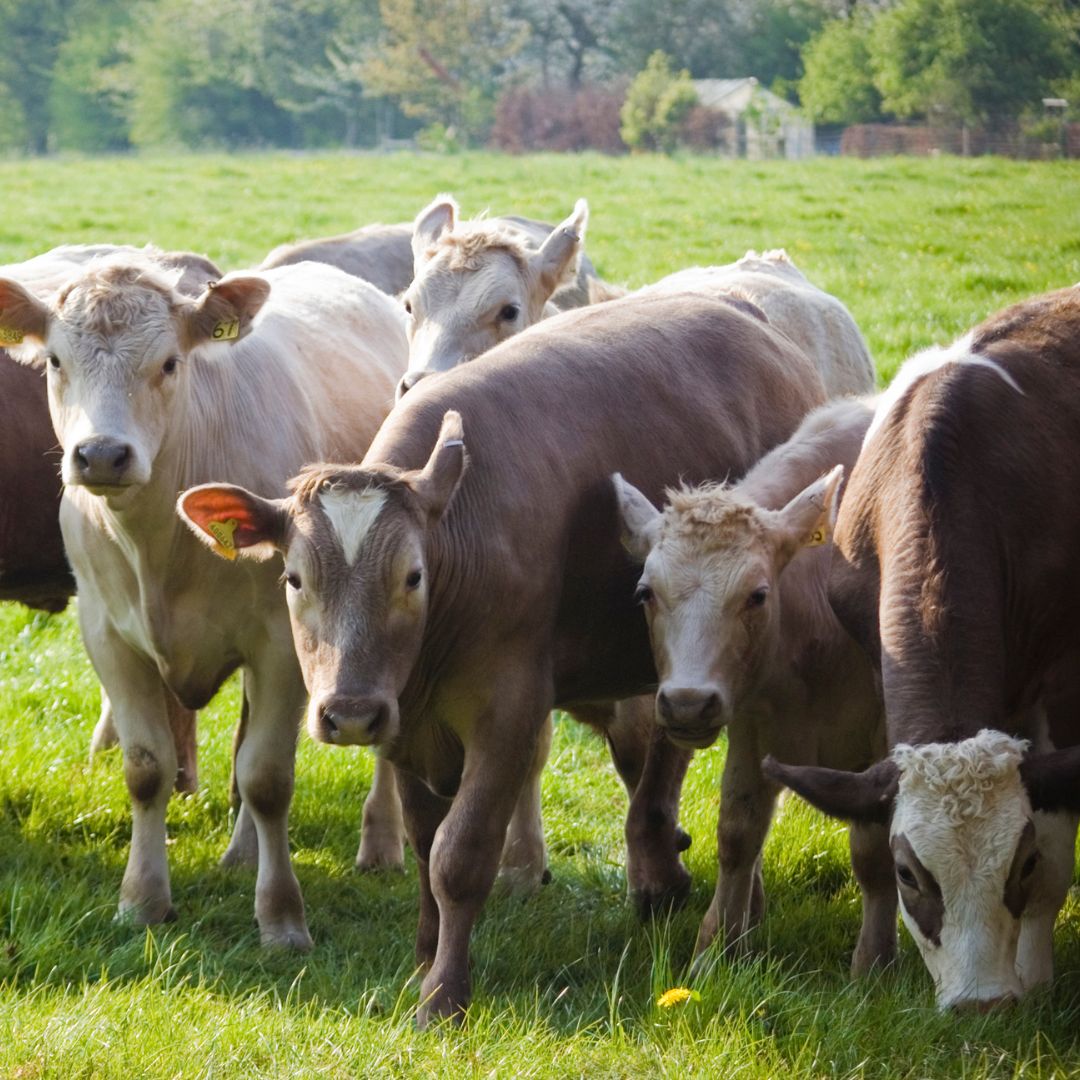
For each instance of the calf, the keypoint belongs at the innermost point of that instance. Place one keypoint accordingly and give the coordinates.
(956, 571)
(442, 609)
(480, 282)
(151, 391)
(734, 591)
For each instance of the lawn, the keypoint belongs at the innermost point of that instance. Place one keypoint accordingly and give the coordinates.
(565, 982)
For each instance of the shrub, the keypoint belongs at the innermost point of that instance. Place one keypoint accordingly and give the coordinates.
(559, 118)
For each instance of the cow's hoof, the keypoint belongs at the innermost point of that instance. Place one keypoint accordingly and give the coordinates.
(146, 913)
(380, 856)
(295, 938)
(683, 839)
(521, 880)
(660, 898)
(440, 1001)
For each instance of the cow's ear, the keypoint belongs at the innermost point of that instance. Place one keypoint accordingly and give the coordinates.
(232, 521)
(22, 315)
(437, 482)
(438, 217)
(557, 261)
(865, 797)
(224, 311)
(807, 521)
(1053, 779)
(640, 519)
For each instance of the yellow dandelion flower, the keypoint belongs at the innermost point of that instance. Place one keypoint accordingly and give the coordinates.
(676, 996)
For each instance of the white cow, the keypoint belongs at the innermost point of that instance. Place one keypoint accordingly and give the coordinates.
(150, 392)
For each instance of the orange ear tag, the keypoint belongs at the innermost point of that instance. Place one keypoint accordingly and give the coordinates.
(222, 532)
(8, 336)
(226, 330)
(817, 538)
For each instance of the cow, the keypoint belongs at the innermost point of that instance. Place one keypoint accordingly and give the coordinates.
(956, 570)
(151, 391)
(815, 320)
(477, 283)
(444, 600)
(380, 254)
(734, 587)
(33, 568)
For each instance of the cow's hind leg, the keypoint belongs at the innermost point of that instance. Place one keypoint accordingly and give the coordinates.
(523, 868)
(265, 762)
(243, 849)
(872, 863)
(382, 831)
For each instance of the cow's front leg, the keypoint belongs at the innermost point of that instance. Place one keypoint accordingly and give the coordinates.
(423, 812)
(382, 831)
(265, 763)
(523, 868)
(468, 843)
(655, 874)
(872, 862)
(243, 848)
(140, 713)
(746, 807)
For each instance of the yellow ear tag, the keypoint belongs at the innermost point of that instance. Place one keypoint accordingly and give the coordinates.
(226, 330)
(817, 538)
(222, 532)
(8, 336)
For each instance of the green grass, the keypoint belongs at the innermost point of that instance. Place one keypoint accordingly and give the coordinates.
(566, 982)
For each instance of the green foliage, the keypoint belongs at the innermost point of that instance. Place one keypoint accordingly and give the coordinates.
(837, 86)
(656, 103)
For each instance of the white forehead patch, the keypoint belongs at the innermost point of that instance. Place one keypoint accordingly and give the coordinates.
(921, 365)
(352, 515)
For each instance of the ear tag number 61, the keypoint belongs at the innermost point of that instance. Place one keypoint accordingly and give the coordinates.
(226, 330)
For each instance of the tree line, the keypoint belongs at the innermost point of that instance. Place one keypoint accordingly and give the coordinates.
(110, 75)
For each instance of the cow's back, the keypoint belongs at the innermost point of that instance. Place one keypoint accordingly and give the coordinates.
(661, 388)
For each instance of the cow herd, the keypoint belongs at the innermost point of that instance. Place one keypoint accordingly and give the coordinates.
(423, 484)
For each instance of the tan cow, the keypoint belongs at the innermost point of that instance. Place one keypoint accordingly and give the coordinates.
(477, 283)
(734, 588)
(151, 391)
(815, 320)
(381, 254)
(444, 602)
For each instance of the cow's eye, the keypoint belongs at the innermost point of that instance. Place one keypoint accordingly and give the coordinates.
(509, 312)
(757, 598)
(643, 595)
(412, 581)
(293, 580)
(1029, 865)
(408, 307)
(54, 361)
(906, 877)
(170, 365)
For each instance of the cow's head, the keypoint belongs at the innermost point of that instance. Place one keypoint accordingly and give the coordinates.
(971, 856)
(710, 589)
(355, 545)
(477, 283)
(115, 343)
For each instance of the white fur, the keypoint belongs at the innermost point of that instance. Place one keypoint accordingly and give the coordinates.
(352, 515)
(922, 364)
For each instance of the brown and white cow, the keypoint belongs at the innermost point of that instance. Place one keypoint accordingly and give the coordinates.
(479, 282)
(444, 601)
(815, 320)
(381, 254)
(956, 570)
(33, 567)
(151, 391)
(734, 586)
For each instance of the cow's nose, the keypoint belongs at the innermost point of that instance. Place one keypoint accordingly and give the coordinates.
(408, 381)
(102, 460)
(985, 1005)
(353, 721)
(688, 707)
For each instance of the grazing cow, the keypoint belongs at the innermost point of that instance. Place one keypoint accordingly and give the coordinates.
(381, 254)
(480, 282)
(444, 602)
(151, 391)
(33, 567)
(815, 320)
(734, 588)
(956, 570)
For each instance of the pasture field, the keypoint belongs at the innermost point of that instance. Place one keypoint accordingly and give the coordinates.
(566, 982)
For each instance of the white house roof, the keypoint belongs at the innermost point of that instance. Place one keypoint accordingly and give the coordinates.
(733, 95)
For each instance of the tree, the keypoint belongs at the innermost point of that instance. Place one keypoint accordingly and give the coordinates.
(838, 84)
(968, 60)
(657, 101)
